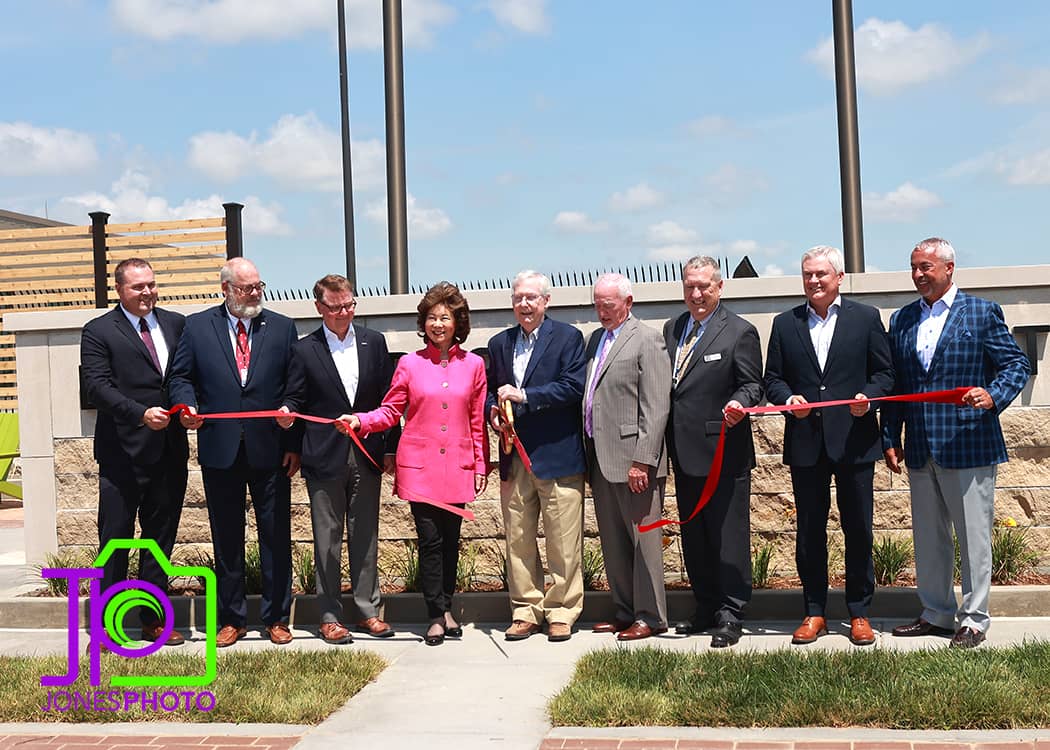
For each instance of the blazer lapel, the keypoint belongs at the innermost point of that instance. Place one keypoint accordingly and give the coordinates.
(221, 323)
(843, 329)
(135, 337)
(258, 341)
(951, 326)
(673, 336)
(324, 357)
(712, 330)
(617, 346)
(542, 343)
(805, 340)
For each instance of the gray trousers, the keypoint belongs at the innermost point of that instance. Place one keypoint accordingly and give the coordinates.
(353, 499)
(634, 561)
(964, 499)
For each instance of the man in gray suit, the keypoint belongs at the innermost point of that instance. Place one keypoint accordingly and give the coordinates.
(625, 408)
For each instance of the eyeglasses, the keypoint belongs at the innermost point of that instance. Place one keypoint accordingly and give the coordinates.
(348, 306)
(532, 299)
(250, 289)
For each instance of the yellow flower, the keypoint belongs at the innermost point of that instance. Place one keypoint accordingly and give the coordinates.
(1010, 522)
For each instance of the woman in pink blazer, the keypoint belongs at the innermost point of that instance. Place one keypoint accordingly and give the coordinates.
(442, 458)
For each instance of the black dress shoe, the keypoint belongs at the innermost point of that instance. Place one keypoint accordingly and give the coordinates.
(966, 638)
(691, 627)
(921, 627)
(456, 632)
(726, 635)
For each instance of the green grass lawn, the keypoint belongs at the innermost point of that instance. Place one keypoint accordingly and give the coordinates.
(931, 689)
(281, 687)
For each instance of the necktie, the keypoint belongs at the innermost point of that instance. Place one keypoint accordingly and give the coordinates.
(244, 354)
(588, 421)
(147, 339)
(686, 350)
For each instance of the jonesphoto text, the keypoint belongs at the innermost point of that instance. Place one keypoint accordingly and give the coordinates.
(168, 701)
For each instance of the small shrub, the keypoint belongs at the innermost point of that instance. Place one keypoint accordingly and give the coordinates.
(403, 567)
(892, 555)
(501, 565)
(253, 583)
(304, 572)
(1012, 553)
(761, 570)
(593, 564)
(466, 566)
(66, 558)
(198, 558)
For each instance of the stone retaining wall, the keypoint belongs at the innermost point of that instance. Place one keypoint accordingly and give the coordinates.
(1022, 493)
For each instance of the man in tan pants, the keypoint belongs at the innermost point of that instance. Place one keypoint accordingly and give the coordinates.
(538, 368)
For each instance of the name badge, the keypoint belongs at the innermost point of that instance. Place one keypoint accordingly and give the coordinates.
(713, 357)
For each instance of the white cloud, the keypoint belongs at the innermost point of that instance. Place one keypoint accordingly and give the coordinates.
(300, 152)
(670, 241)
(670, 233)
(1032, 169)
(772, 270)
(527, 16)
(892, 56)
(905, 204)
(710, 126)
(130, 200)
(232, 21)
(636, 198)
(1025, 87)
(730, 180)
(577, 222)
(30, 150)
(423, 222)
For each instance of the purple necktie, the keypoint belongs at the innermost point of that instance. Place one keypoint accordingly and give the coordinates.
(588, 420)
(147, 339)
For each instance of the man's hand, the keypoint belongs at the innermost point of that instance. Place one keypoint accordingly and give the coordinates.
(893, 459)
(347, 423)
(979, 398)
(731, 413)
(801, 413)
(494, 420)
(510, 393)
(156, 418)
(638, 477)
(291, 463)
(859, 410)
(389, 464)
(481, 481)
(285, 422)
(189, 419)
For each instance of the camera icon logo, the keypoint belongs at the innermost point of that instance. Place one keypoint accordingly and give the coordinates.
(108, 609)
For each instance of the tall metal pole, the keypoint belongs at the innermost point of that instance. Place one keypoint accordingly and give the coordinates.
(348, 177)
(397, 203)
(849, 140)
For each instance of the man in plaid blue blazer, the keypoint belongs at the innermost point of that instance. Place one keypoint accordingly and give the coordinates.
(949, 339)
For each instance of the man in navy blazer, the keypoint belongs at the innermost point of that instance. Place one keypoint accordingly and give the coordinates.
(338, 369)
(538, 366)
(829, 349)
(950, 339)
(233, 358)
(141, 452)
(716, 368)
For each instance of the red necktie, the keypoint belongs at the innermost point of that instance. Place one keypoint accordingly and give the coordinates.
(244, 354)
(147, 339)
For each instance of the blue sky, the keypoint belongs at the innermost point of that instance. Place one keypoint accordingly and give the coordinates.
(557, 134)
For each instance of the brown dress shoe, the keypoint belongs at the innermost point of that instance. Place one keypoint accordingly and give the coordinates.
(376, 627)
(335, 632)
(966, 637)
(613, 626)
(810, 630)
(860, 631)
(152, 633)
(921, 627)
(279, 633)
(519, 630)
(636, 632)
(559, 631)
(229, 635)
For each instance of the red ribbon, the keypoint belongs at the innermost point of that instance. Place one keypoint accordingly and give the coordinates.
(953, 396)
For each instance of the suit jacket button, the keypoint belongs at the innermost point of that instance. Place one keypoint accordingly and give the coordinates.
(444, 427)
(823, 387)
(444, 385)
(444, 406)
(441, 451)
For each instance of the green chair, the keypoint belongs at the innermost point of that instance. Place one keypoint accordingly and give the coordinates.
(8, 453)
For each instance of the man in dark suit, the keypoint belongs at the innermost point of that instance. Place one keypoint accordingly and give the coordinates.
(141, 453)
(538, 367)
(625, 408)
(950, 339)
(232, 358)
(716, 365)
(826, 350)
(338, 369)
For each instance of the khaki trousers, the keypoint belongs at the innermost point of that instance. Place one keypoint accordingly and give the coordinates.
(525, 498)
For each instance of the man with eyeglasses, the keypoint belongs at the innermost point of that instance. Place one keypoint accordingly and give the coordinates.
(538, 368)
(234, 358)
(338, 369)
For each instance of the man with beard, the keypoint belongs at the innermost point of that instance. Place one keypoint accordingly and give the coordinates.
(141, 451)
(233, 358)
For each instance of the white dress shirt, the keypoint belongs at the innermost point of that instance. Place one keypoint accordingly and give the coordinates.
(154, 332)
(931, 324)
(822, 330)
(523, 348)
(344, 354)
